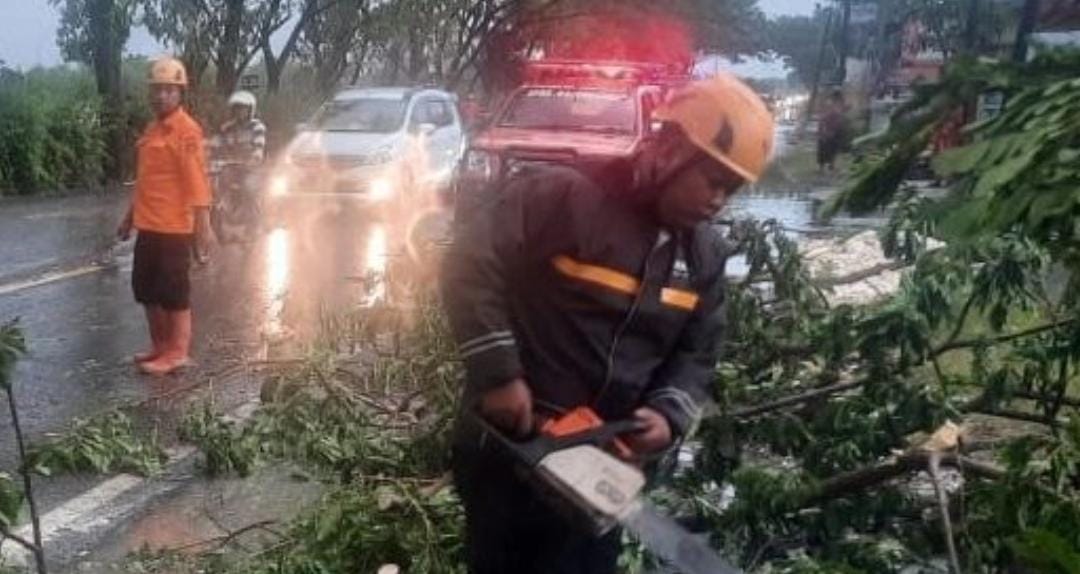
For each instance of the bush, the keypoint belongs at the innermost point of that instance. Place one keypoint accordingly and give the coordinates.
(51, 136)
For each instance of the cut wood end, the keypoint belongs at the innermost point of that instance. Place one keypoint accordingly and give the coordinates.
(947, 437)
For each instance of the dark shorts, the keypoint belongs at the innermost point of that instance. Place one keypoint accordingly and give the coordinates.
(159, 276)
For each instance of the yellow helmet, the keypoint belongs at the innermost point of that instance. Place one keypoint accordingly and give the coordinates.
(727, 120)
(168, 71)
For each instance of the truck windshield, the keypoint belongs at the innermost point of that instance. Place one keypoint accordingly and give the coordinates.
(572, 110)
(361, 115)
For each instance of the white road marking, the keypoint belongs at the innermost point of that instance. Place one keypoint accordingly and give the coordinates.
(49, 278)
(89, 516)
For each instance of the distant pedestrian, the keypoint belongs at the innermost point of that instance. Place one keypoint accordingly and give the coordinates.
(832, 132)
(170, 212)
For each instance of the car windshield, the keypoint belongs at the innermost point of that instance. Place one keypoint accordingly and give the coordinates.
(361, 115)
(574, 110)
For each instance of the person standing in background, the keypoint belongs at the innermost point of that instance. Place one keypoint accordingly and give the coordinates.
(832, 132)
(170, 213)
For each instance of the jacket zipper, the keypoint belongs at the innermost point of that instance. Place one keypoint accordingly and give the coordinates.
(661, 240)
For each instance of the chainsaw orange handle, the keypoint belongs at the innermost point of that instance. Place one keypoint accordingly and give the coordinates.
(578, 429)
(580, 420)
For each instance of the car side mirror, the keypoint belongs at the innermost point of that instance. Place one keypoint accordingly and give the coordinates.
(426, 129)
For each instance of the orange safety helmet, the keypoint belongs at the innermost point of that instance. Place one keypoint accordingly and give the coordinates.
(168, 71)
(726, 119)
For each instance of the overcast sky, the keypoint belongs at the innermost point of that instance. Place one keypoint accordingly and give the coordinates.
(28, 30)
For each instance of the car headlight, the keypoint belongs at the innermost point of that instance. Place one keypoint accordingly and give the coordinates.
(481, 164)
(279, 185)
(381, 189)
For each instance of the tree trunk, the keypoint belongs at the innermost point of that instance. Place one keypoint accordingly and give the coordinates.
(107, 47)
(228, 58)
(815, 85)
(843, 43)
(1028, 18)
(971, 28)
(273, 67)
(416, 55)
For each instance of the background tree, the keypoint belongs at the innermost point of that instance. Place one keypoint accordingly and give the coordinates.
(225, 33)
(794, 40)
(95, 32)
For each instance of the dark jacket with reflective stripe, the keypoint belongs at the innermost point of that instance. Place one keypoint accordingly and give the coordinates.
(579, 290)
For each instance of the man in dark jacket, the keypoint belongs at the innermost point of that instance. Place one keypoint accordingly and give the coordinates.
(566, 290)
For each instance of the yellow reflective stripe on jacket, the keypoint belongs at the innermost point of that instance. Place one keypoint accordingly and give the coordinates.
(679, 298)
(620, 282)
(602, 276)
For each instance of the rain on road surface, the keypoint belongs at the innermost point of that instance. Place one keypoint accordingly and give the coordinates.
(62, 274)
(82, 325)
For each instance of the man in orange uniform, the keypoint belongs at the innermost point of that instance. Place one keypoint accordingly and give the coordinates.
(170, 211)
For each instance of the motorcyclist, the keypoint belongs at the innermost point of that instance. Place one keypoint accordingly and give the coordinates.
(242, 139)
(239, 149)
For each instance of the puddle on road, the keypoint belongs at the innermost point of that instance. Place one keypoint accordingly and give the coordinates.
(374, 266)
(277, 280)
(309, 272)
(203, 512)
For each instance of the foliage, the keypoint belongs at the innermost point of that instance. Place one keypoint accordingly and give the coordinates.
(829, 403)
(792, 39)
(104, 444)
(12, 346)
(360, 529)
(11, 501)
(392, 417)
(78, 37)
(51, 135)
(1026, 88)
(377, 437)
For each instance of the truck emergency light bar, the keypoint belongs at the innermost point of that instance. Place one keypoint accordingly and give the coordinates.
(560, 72)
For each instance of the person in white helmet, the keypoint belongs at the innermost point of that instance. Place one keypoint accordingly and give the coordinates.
(242, 139)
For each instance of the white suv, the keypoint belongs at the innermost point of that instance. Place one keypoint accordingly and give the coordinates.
(371, 146)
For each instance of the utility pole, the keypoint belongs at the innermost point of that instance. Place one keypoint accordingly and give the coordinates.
(1028, 18)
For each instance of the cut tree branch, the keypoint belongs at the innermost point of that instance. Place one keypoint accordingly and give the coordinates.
(9, 535)
(855, 481)
(1003, 338)
(855, 277)
(776, 405)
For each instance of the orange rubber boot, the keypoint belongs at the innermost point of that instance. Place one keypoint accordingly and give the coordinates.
(175, 354)
(159, 334)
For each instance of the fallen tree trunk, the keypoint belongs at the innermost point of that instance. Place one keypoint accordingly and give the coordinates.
(853, 482)
(749, 412)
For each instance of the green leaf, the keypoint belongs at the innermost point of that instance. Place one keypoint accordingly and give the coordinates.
(1003, 174)
(963, 159)
(11, 500)
(1046, 552)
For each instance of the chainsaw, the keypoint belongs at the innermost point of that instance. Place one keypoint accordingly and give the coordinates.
(578, 463)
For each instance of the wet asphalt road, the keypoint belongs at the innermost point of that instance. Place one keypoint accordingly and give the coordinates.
(67, 281)
(250, 301)
(62, 274)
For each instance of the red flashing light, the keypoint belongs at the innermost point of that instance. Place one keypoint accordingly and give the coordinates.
(584, 73)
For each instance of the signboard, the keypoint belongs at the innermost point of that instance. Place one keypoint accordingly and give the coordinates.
(250, 81)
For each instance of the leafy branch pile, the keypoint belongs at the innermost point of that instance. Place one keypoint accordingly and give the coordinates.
(105, 444)
(835, 422)
(375, 433)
